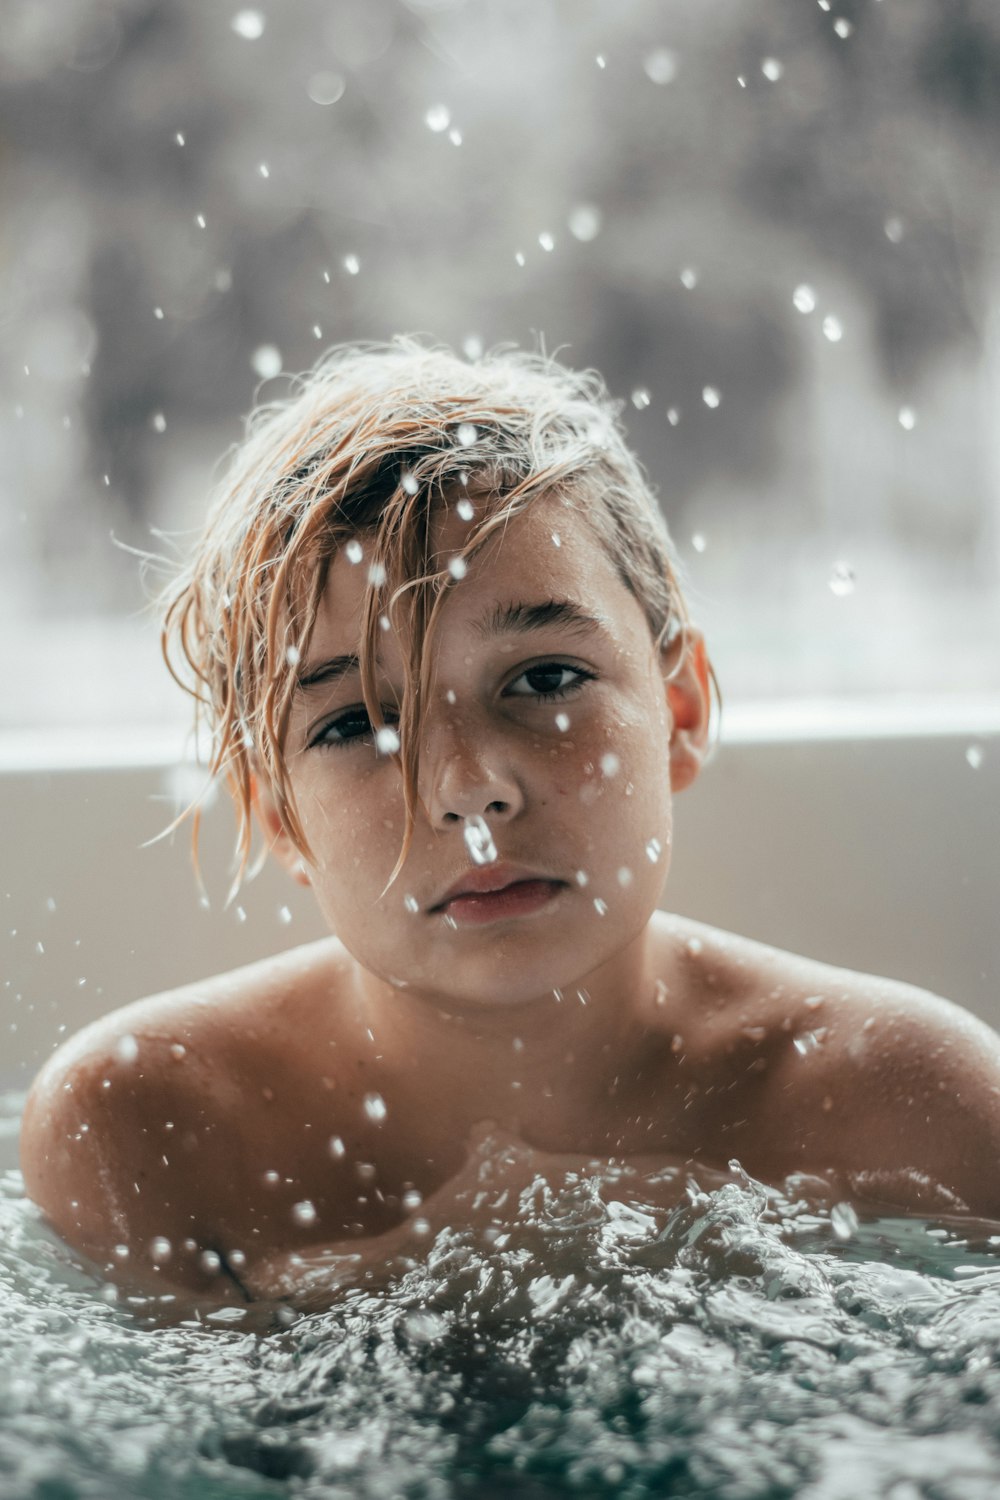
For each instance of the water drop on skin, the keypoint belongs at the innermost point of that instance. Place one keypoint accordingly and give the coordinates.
(772, 69)
(354, 552)
(160, 1249)
(266, 361)
(127, 1050)
(466, 435)
(625, 876)
(465, 510)
(479, 841)
(600, 906)
(641, 399)
(907, 418)
(804, 299)
(458, 567)
(304, 1212)
(337, 1147)
(375, 1108)
(546, 241)
(411, 903)
(974, 756)
(711, 397)
(352, 265)
(585, 223)
(581, 878)
(248, 24)
(833, 329)
(660, 65)
(610, 764)
(562, 722)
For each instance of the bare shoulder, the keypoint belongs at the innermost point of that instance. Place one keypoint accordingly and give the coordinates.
(894, 1088)
(138, 1131)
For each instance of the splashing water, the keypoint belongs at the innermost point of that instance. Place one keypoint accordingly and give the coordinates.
(609, 1331)
(479, 841)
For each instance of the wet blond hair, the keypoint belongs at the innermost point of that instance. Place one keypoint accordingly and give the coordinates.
(364, 449)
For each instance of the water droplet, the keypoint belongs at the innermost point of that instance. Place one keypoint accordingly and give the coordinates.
(210, 1261)
(673, 415)
(354, 552)
(271, 1179)
(159, 422)
(653, 850)
(304, 1212)
(249, 24)
(843, 27)
(450, 696)
(293, 655)
(844, 1221)
(411, 903)
(833, 329)
(420, 1226)
(907, 418)
(808, 1042)
(438, 118)
(376, 575)
(974, 756)
(375, 1109)
(458, 567)
(694, 946)
(600, 906)
(410, 484)
(610, 764)
(479, 841)
(601, 60)
(546, 240)
(519, 257)
(158, 313)
(585, 222)
(352, 265)
(660, 65)
(562, 722)
(699, 541)
(411, 1200)
(842, 580)
(711, 396)
(284, 915)
(241, 915)
(383, 621)
(386, 740)
(466, 435)
(804, 299)
(556, 539)
(267, 361)
(894, 229)
(317, 331)
(582, 878)
(455, 136)
(772, 69)
(127, 1049)
(625, 876)
(337, 1147)
(160, 1249)
(689, 278)
(326, 88)
(179, 138)
(264, 169)
(640, 399)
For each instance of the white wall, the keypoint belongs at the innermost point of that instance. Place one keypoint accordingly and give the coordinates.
(878, 851)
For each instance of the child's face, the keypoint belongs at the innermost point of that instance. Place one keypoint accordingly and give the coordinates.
(561, 736)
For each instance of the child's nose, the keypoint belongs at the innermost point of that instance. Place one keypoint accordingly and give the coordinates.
(467, 773)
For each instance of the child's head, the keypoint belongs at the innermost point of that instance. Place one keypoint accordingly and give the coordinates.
(374, 459)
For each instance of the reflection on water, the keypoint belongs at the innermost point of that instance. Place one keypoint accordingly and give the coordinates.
(738, 1344)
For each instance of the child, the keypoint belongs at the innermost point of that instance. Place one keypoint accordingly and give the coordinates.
(435, 625)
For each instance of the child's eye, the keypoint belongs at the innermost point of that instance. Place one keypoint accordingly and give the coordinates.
(353, 726)
(550, 680)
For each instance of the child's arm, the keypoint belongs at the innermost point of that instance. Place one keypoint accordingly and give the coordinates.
(104, 1156)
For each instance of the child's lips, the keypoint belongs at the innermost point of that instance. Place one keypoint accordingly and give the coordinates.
(518, 899)
(488, 882)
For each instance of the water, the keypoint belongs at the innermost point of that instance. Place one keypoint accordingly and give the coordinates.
(627, 1334)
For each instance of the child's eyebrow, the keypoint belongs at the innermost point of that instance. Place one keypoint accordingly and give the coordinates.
(328, 671)
(520, 619)
(503, 619)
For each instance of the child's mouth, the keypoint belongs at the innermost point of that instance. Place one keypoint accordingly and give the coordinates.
(519, 899)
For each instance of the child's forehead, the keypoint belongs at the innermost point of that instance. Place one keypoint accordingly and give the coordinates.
(547, 552)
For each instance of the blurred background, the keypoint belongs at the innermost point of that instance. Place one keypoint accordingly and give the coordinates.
(774, 227)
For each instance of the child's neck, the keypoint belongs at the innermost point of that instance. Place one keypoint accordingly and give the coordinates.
(537, 1064)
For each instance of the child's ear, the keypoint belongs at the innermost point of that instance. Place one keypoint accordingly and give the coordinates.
(689, 699)
(279, 843)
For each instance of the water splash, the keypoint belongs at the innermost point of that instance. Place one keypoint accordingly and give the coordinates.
(479, 841)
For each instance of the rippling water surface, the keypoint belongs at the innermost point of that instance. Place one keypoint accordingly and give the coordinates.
(734, 1345)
